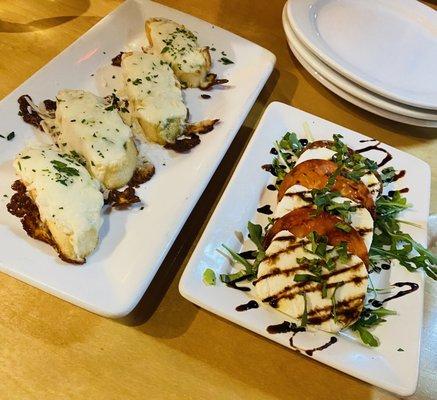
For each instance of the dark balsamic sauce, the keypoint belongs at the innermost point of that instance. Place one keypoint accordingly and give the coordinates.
(412, 288)
(331, 341)
(385, 266)
(265, 210)
(248, 255)
(367, 140)
(285, 327)
(233, 285)
(269, 168)
(387, 157)
(303, 142)
(399, 175)
(205, 96)
(247, 306)
(392, 192)
(273, 151)
(271, 187)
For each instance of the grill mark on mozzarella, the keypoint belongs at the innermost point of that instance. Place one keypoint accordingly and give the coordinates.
(278, 271)
(273, 257)
(289, 292)
(348, 309)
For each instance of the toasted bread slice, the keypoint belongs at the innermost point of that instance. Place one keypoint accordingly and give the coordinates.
(68, 201)
(94, 130)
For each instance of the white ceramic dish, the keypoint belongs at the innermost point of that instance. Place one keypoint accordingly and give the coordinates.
(383, 366)
(133, 243)
(387, 46)
(306, 62)
(349, 86)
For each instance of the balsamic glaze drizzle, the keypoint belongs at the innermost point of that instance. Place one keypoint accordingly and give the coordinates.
(387, 157)
(331, 341)
(247, 306)
(233, 284)
(392, 192)
(271, 187)
(285, 327)
(265, 210)
(412, 288)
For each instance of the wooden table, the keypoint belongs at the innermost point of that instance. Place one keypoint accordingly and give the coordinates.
(168, 348)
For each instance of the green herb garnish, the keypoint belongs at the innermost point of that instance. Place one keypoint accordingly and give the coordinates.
(370, 318)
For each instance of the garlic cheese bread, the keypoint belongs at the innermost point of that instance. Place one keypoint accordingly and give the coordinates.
(95, 130)
(155, 96)
(178, 46)
(58, 201)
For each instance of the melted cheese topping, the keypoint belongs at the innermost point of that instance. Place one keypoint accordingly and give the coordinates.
(177, 45)
(152, 89)
(278, 282)
(63, 190)
(92, 129)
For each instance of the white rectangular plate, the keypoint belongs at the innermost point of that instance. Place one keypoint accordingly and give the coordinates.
(133, 243)
(383, 366)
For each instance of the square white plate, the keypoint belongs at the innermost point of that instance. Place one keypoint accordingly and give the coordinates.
(383, 366)
(133, 243)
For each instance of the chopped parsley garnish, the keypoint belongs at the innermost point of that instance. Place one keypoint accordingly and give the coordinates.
(226, 61)
(65, 173)
(137, 81)
(9, 136)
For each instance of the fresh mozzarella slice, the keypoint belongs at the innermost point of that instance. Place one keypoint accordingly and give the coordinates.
(324, 153)
(69, 200)
(298, 196)
(178, 46)
(94, 130)
(317, 153)
(346, 285)
(155, 96)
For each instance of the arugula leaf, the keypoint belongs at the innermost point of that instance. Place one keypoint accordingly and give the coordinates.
(228, 278)
(240, 260)
(387, 175)
(370, 318)
(389, 242)
(256, 235)
(209, 277)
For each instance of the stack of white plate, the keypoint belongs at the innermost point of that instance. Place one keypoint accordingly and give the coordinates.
(380, 55)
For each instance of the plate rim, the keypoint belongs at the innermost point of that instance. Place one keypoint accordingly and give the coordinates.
(291, 5)
(349, 86)
(357, 101)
